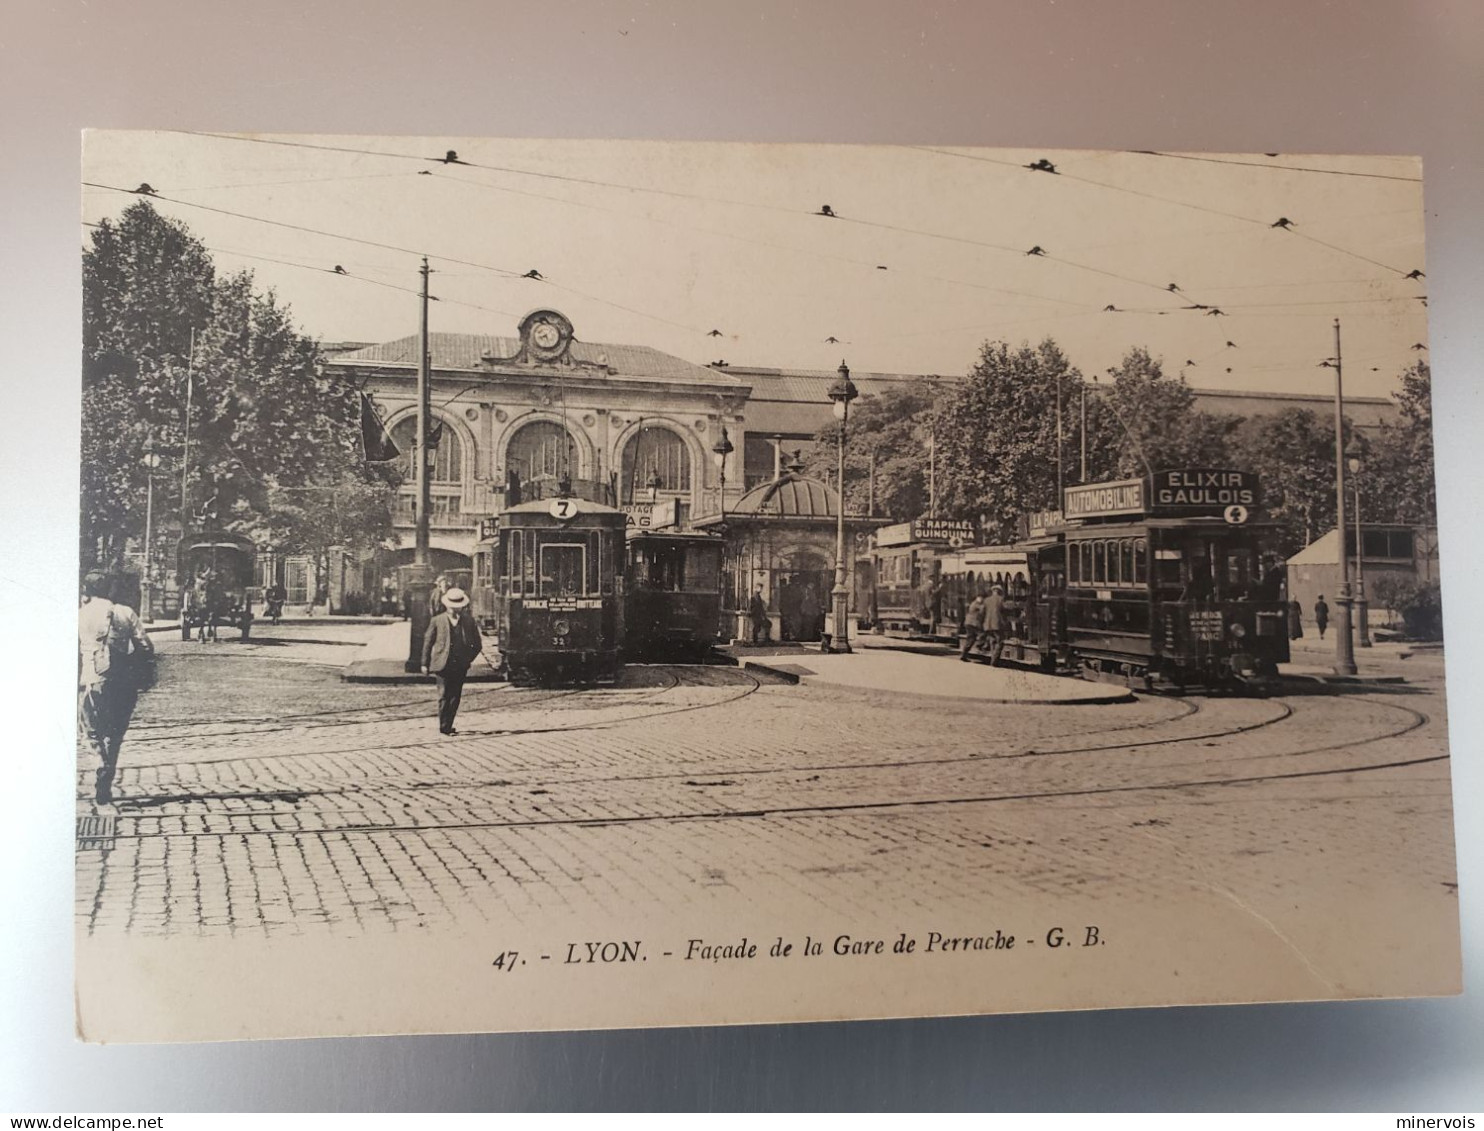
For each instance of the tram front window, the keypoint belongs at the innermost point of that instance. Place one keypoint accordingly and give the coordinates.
(562, 569)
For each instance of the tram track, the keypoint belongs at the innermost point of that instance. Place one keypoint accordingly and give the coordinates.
(673, 682)
(1415, 720)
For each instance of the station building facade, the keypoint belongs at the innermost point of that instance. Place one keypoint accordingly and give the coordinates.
(634, 423)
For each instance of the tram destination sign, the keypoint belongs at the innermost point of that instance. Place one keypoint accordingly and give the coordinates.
(1204, 491)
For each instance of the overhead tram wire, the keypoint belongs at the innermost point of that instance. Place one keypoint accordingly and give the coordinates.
(787, 210)
(865, 264)
(1272, 165)
(1187, 204)
(301, 228)
(592, 181)
(504, 271)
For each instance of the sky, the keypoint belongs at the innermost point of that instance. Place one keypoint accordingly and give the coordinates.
(929, 253)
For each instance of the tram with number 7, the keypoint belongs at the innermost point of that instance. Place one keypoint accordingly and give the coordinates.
(556, 577)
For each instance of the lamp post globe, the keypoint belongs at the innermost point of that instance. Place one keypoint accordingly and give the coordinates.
(841, 392)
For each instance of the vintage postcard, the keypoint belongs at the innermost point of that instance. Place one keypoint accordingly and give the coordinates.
(558, 584)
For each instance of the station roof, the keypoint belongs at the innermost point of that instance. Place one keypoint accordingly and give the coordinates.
(474, 353)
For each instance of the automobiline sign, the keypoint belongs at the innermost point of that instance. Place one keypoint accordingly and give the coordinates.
(1126, 496)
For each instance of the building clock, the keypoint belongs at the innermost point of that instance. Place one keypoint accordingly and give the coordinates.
(546, 334)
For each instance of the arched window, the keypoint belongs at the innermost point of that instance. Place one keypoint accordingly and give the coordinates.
(542, 449)
(448, 464)
(649, 452)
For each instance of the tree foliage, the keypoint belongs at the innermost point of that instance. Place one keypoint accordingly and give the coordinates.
(1293, 453)
(160, 328)
(1146, 421)
(1397, 480)
(997, 437)
(890, 432)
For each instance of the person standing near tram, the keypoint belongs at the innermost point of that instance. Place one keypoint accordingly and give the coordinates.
(973, 625)
(1321, 615)
(994, 623)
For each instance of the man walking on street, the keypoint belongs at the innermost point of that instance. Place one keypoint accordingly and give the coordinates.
(106, 634)
(450, 645)
(973, 625)
(757, 610)
(994, 623)
(1321, 615)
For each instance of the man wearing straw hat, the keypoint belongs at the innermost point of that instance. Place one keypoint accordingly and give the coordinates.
(450, 645)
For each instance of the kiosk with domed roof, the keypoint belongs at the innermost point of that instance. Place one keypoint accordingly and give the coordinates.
(780, 541)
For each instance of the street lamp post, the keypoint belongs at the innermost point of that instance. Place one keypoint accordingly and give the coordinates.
(842, 392)
(146, 596)
(1362, 606)
(720, 450)
(1344, 641)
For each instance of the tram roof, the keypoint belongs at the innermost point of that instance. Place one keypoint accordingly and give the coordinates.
(543, 507)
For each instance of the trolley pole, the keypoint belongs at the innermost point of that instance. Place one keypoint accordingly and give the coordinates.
(418, 578)
(1344, 641)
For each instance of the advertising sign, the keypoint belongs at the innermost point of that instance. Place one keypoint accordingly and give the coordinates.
(1195, 489)
(954, 532)
(1094, 500)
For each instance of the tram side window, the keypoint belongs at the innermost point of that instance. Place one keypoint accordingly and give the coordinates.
(513, 561)
(703, 565)
(1099, 563)
(1141, 562)
(1126, 562)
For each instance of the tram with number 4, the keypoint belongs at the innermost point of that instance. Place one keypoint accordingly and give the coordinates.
(1162, 582)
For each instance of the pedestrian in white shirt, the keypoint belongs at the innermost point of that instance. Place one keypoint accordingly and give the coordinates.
(111, 644)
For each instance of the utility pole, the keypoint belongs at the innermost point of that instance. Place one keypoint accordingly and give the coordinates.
(185, 457)
(1060, 483)
(933, 473)
(1082, 433)
(424, 413)
(418, 578)
(1344, 644)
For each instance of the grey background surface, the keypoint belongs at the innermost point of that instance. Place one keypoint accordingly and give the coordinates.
(1281, 75)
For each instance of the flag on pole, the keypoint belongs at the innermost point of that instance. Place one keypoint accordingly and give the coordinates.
(378, 442)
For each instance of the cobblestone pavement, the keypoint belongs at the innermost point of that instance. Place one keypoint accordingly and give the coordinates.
(259, 794)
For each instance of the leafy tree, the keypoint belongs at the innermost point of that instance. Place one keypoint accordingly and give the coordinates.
(342, 504)
(1397, 481)
(1146, 421)
(263, 414)
(893, 431)
(1293, 454)
(996, 433)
